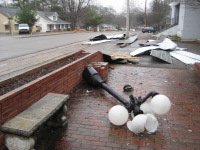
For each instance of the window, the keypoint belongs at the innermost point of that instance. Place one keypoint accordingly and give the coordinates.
(177, 10)
(7, 27)
(16, 27)
(54, 18)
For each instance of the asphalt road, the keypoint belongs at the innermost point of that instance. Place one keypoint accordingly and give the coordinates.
(14, 46)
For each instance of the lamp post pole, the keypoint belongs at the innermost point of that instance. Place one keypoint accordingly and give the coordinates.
(145, 14)
(127, 20)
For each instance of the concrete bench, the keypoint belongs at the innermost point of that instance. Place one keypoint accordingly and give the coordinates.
(19, 131)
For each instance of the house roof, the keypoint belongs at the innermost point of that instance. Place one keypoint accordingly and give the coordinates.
(45, 15)
(9, 12)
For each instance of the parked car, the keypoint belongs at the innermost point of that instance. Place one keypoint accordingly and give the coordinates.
(149, 30)
(24, 28)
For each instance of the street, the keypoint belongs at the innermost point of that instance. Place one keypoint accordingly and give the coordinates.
(14, 46)
(22, 45)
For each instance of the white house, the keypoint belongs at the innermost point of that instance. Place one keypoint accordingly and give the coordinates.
(185, 20)
(50, 21)
(105, 27)
(47, 21)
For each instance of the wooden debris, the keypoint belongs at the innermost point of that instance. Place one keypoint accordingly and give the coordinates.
(123, 56)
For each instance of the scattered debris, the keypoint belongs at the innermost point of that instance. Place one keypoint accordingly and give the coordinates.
(154, 42)
(118, 36)
(123, 56)
(120, 59)
(167, 44)
(165, 49)
(143, 50)
(96, 42)
(163, 55)
(103, 38)
(188, 54)
(99, 37)
(129, 41)
(184, 59)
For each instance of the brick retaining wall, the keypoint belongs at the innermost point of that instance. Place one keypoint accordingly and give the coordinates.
(62, 80)
(197, 67)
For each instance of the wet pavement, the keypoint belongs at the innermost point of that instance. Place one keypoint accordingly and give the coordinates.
(146, 60)
(88, 125)
(90, 129)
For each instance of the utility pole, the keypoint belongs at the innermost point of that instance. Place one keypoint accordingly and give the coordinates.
(35, 6)
(127, 20)
(145, 14)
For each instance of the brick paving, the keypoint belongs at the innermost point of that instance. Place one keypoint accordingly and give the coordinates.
(89, 128)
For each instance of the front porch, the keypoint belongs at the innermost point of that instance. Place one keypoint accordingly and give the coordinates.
(57, 27)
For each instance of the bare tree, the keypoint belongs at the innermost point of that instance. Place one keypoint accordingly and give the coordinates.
(136, 15)
(159, 12)
(74, 9)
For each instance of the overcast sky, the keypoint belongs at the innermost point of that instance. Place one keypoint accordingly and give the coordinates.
(118, 5)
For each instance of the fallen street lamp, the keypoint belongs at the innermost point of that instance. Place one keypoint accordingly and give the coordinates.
(95, 79)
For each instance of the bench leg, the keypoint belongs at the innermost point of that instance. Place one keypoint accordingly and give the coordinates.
(14, 142)
(60, 118)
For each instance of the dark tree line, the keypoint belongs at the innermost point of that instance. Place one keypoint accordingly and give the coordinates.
(159, 15)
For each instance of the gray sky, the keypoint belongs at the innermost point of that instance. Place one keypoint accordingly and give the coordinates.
(118, 5)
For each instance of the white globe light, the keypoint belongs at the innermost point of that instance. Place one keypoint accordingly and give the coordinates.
(129, 125)
(118, 115)
(146, 108)
(151, 124)
(137, 124)
(160, 104)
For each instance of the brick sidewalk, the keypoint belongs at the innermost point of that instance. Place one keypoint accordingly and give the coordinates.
(89, 128)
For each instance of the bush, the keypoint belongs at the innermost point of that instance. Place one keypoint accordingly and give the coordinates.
(175, 38)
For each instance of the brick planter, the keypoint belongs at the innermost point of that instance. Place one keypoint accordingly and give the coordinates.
(197, 67)
(61, 81)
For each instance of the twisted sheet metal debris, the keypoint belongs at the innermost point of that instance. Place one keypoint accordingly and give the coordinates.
(96, 42)
(184, 59)
(163, 55)
(103, 38)
(129, 41)
(165, 50)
